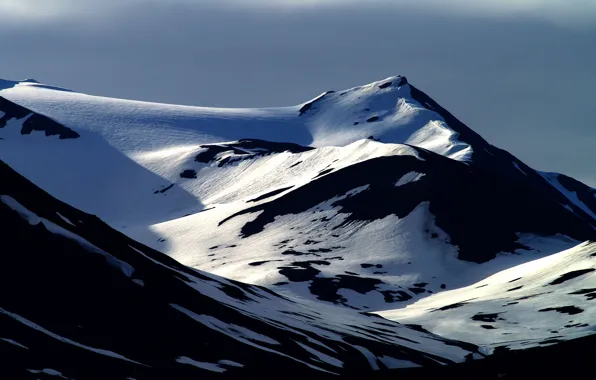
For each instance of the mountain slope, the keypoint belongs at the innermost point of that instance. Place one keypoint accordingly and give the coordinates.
(539, 303)
(85, 170)
(255, 195)
(89, 302)
(372, 232)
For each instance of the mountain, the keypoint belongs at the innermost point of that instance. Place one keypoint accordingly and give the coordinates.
(300, 198)
(88, 302)
(365, 202)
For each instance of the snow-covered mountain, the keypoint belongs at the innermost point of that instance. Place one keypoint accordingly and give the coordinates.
(86, 301)
(366, 197)
(372, 198)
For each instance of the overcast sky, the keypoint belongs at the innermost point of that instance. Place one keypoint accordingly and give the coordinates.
(521, 73)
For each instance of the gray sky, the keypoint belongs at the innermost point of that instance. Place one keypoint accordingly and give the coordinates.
(521, 73)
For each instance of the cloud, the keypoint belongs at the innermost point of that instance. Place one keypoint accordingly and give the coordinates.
(565, 12)
(560, 11)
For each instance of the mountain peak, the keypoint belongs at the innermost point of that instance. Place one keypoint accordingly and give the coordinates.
(392, 111)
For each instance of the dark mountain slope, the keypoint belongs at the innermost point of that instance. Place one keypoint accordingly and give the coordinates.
(506, 167)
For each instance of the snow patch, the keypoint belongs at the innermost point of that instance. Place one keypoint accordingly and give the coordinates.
(321, 356)
(14, 342)
(48, 371)
(65, 219)
(515, 165)
(230, 363)
(409, 177)
(203, 365)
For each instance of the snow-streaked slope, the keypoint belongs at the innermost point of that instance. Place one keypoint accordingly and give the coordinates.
(232, 171)
(89, 302)
(345, 233)
(541, 302)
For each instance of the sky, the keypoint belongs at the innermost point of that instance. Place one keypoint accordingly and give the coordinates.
(521, 73)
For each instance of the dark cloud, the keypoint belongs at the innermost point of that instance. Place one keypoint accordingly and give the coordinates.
(525, 85)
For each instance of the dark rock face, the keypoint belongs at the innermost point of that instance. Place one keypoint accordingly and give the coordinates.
(571, 310)
(259, 263)
(270, 194)
(35, 121)
(245, 149)
(590, 294)
(326, 288)
(268, 147)
(164, 189)
(571, 275)
(302, 271)
(452, 306)
(487, 317)
(213, 150)
(189, 173)
(395, 295)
